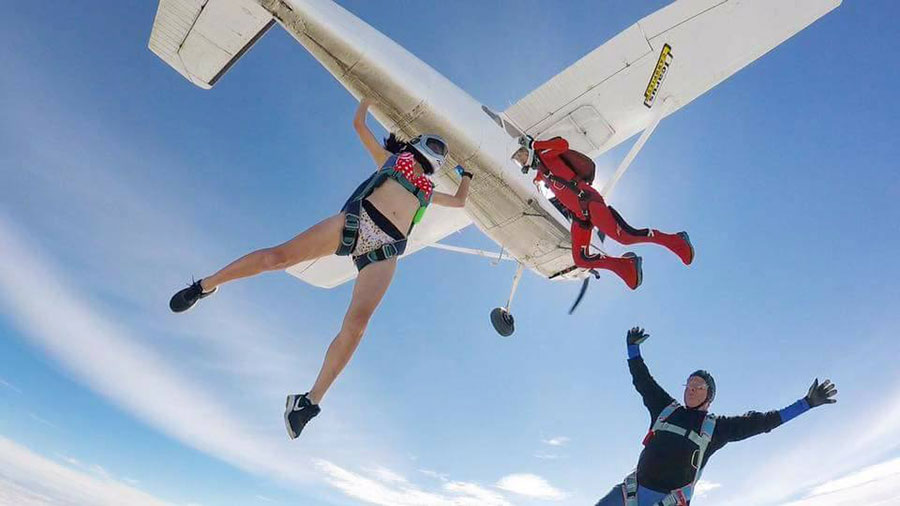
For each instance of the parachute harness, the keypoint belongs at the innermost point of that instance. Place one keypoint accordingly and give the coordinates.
(680, 496)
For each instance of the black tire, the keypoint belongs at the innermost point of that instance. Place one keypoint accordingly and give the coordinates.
(503, 322)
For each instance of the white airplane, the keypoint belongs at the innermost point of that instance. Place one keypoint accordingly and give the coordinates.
(625, 86)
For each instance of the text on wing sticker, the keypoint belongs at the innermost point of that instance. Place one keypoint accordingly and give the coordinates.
(659, 73)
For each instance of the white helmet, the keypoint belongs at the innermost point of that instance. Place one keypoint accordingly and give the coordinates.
(526, 143)
(432, 147)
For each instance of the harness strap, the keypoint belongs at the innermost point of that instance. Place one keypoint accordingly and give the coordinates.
(664, 415)
(386, 251)
(584, 197)
(675, 498)
(697, 439)
(708, 427)
(351, 210)
(668, 427)
(411, 188)
(572, 185)
(680, 496)
(629, 489)
(350, 232)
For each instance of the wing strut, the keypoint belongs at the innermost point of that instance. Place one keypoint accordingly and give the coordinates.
(471, 251)
(636, 148)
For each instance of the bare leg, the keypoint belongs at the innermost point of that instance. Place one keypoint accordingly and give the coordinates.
(317, 241)
(371, 284)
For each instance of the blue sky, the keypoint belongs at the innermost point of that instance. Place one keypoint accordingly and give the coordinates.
(120, 181)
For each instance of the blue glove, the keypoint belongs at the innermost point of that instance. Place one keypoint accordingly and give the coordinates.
(463, 172)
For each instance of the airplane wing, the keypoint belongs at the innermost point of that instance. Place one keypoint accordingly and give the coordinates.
(675, 55)
(202, 39)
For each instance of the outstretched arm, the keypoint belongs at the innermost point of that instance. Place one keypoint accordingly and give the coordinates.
(379, 154)
(736, 428)
(817, 395)
(654, 396)
(462, 193)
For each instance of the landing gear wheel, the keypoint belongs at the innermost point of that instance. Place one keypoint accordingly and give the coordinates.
(503, 321)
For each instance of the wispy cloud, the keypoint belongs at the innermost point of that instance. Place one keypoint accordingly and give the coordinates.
(10, 386)
(386, 475)
(28, 479)
(72, 461)
(109, 358)
(393, 492)
(704, 487)
(556, 441)
(530, 485)
(434, 474)
(874, 432)
(101, 472)
(42, 420)
(105, 356)
(873, 485)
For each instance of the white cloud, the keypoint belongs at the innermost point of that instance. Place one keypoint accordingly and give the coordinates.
(101, 472)
(71, 461)
(546, 456)
(10, 386)
(704, 487)
(28, 479)
(475, 494)
(386, 475)
(42, 420)
(812, 458)
(107, 357)
(434, 474)
(556, 441)
(373, 490)
(872, 485)
(530, 485)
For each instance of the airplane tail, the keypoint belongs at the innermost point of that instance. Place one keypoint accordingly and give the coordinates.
(202, 39)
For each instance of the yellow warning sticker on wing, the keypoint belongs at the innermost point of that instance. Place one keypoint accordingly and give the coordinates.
(659, 73)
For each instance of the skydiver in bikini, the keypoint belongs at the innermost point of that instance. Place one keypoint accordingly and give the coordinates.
(372, 228)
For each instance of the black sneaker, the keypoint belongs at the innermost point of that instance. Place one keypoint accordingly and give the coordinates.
(187, 297)
(297, 412)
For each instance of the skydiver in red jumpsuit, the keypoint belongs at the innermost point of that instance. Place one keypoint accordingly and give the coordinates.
(569, 175)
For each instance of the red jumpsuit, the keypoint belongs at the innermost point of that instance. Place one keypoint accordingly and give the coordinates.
(589, 210)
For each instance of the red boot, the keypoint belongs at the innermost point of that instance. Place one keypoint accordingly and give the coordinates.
(679, 243)
(628, 267)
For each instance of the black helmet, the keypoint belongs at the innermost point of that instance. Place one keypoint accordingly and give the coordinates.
(710, 383)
